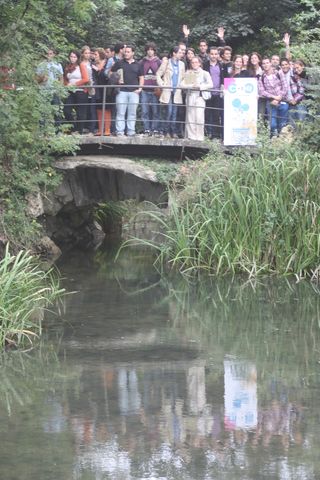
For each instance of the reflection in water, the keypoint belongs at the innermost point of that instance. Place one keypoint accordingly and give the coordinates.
(167, 382)
(196, 389)
(129, 397)
(240, 395)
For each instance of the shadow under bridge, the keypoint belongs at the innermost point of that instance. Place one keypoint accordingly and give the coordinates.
(98, 178)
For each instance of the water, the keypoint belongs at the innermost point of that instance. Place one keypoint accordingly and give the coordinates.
(143, 378)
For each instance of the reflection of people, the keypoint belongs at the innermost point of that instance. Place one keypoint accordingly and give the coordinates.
(129, 396)
(196, 389)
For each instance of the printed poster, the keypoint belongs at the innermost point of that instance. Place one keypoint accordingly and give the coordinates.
(240, 111)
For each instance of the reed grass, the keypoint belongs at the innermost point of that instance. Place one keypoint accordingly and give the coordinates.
(25, 290)
(246, 213)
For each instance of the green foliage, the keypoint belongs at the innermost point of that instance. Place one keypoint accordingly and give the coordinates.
(28, 144)
(148, 20)
(25, 290)
(307, 32)
(246, 213)
(109, 29)
(109, 213)
(306, 25)
(30, 26)
(165, 170)
(27, 134)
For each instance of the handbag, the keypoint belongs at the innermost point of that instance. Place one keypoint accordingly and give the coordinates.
(205, 94)
(157, 91)
(91, 91)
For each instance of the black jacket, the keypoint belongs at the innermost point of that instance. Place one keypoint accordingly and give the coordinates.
(99, 78)
(206, 67)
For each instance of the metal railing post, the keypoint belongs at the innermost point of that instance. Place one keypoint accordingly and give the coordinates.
(183, 123)
(103, 110)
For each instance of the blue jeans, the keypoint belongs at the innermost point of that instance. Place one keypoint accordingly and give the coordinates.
(278, 115)
(150, 111)
(127, 103)
(170, 125)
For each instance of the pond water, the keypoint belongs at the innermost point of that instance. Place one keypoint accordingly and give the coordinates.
(139, 377)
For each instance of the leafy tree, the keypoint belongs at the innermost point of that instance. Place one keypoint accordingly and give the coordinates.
(31, 25)
(149, 20)
(307, 47)
(28, 141)
(306, 27)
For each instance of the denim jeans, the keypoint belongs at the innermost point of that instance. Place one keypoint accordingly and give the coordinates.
(150, 111)
(127, 103)
(278, 115)
(170, 125)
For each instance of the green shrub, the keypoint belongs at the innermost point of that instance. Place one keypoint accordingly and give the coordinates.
(25, 290)
(252, 213)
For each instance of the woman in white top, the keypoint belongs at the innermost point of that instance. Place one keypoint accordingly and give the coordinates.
(254, 65)
(91, 124)
(199, 82)
(76, 76)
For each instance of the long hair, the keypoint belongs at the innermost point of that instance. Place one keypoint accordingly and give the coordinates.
(70, 67)
(83, 49)
(189, 49)
(233, 71)
(174, 50)
(251, 68)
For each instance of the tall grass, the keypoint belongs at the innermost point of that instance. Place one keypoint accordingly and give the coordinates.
(246, 213)
(25, 290)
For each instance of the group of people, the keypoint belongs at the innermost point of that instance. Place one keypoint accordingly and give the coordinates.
(180, 94)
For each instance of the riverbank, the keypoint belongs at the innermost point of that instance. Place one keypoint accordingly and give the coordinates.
(244, 213)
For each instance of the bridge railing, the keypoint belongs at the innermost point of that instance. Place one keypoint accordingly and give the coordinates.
(103, 98)
(157, 109)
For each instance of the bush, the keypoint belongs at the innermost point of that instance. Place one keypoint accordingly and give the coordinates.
(25, 290)
(246, 213)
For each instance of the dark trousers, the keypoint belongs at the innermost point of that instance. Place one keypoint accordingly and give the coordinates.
(181, 119)
(57, 103)
(214, 116)
(78, 102)
(113, 116)
(92, 121)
